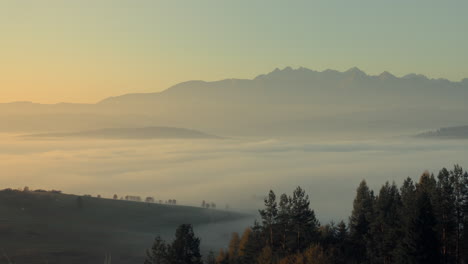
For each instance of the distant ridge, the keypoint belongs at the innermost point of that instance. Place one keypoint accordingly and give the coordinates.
(130, 133)
(458, 132)
(283, 102)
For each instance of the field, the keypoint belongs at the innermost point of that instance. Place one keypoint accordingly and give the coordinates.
(45, 227)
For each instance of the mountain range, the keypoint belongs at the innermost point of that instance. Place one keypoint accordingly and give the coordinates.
(297, 102)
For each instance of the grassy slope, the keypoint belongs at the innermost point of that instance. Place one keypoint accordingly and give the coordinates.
(51, 228)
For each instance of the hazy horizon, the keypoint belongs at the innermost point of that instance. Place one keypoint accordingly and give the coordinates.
(82, 52)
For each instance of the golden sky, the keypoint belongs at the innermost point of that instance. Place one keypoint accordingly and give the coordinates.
(84, 51)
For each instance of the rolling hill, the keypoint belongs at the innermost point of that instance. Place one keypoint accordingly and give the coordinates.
(44, 227)
(130, 133)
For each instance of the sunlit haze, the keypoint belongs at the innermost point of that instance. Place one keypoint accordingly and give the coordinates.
(84, 51)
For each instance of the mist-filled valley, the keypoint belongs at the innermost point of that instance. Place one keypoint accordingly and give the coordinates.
(234, 172)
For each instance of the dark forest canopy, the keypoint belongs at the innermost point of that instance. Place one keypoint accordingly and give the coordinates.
(418, 222)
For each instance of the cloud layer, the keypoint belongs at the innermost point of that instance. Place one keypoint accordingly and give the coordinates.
(236, 172)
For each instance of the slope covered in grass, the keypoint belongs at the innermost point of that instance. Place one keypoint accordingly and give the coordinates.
(55, 228)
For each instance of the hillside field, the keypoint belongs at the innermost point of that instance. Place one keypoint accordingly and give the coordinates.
(45, 227)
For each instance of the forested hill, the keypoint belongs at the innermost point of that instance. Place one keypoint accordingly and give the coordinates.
(419, 222)
(50, 227)
(458, 132)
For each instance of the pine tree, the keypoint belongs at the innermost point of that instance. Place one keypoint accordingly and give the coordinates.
(284, 224)
(420, 244)
(408, 201)
(304, 224)
(445, 212)
(464, 239)
(342, 243)
(186, 247)
(269, 215)
(158, 254)
(385, 228)
(359, 222)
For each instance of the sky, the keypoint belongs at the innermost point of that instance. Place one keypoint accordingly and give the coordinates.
(85, 50)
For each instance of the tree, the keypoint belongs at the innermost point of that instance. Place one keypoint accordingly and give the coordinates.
(342, 243)
(359, 222)
(186, 247)
(269, 215)
(303, 221)
(385, 228)
(221, 258)
(284, 223)
(420, 243)
(243, 244)
(233, 250)
(266, 256)
(203, 204)
(464, 239)
(158, 254)
(115, 197)
(460, 196)
(251, 244)
(446, 213)
(316, 255)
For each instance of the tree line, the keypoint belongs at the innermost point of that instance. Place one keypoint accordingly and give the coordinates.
(419, 222)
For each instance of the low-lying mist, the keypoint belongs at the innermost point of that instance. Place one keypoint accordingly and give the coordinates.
(233, 172)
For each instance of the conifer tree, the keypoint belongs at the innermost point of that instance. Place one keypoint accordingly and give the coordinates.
(460, 195)
(385, 228)
(342, 243)
(303, 221)
(186, 247)
(244, 245)
(158, 254)
(359, 222)
(420, 243)
(233, 250)
(269, 215)
(445, 211)
(284, 223)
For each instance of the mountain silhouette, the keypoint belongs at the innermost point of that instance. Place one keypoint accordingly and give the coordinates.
(283, 102)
